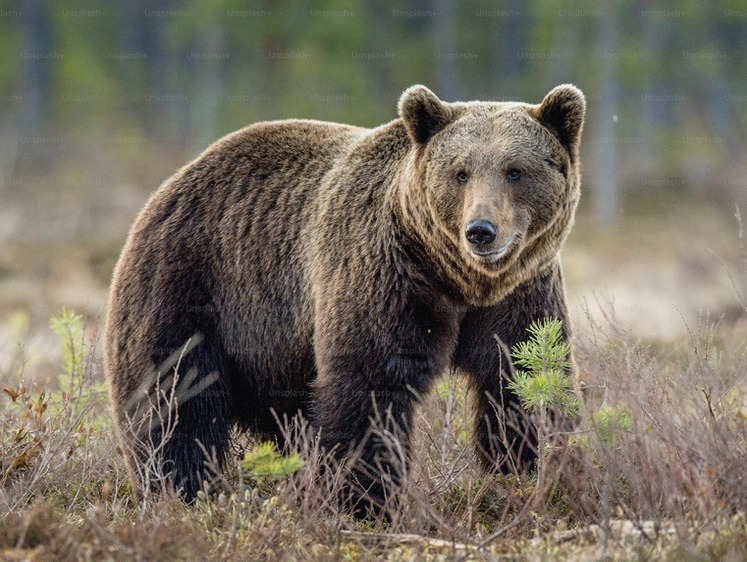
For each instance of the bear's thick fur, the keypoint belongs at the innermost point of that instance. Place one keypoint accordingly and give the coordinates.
(337, 271)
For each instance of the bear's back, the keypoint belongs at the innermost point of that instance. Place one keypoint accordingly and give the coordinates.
(226, 227)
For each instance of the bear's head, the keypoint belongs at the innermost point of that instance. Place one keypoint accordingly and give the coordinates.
(498, 182)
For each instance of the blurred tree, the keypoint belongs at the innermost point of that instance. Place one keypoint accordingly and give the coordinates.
(604, 117)
(446, 52)
(38, 59)
(654, 38)
(177, 74)
(509, 38)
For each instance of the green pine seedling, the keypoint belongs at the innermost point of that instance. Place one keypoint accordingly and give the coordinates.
(264, 461)
(543, 383)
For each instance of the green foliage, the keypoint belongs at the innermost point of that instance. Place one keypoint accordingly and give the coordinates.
(264, 461)
(611, 421)
(38, 417)
(580, 440)
(75, 391)
(69, 328)
(544, 383)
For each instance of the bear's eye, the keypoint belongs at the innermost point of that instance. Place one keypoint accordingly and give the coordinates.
(513, 175)
(462, 176)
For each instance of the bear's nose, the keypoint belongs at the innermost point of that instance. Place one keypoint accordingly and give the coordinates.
(480, 232)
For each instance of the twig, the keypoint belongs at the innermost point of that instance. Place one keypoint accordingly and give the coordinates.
(235, 522)
(376, 539)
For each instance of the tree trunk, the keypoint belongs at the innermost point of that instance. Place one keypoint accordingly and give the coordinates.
(606, 179)
(37, 60)
(205, 106)
(509, 41)
(447, 69)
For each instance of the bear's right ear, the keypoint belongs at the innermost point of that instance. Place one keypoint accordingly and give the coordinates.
(423, 113)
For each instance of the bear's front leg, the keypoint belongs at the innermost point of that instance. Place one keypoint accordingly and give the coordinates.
(504, 435)
(364, 404)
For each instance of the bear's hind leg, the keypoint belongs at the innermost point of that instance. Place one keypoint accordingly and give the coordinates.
(192, 417)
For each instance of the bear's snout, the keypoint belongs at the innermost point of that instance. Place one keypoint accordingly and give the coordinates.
(481, 232)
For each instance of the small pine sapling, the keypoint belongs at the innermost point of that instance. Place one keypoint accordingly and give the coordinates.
(265, 462)
(543, 384)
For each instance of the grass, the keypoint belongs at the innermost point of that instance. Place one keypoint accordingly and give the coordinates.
(656, 469)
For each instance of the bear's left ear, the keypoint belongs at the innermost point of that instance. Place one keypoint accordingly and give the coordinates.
(562, 111)
(423, 113)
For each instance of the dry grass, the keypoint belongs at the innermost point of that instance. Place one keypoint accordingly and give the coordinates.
(668, 484)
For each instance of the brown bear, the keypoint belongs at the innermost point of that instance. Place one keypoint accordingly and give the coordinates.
(302, 266)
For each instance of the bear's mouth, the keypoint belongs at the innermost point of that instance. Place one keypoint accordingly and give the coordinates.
(494, 254)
